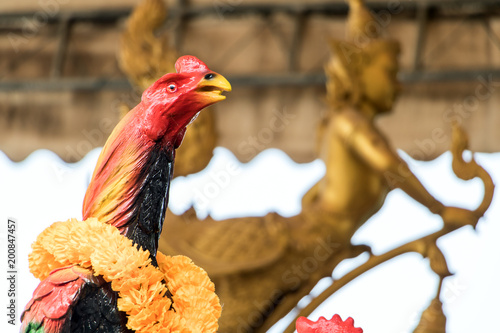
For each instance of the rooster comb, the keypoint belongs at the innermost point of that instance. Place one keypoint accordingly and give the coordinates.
(189, 64)
(334, 325)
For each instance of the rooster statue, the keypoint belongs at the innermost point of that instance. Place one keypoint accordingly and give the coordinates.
(85, 286)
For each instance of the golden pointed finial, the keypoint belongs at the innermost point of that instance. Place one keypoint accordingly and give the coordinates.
(145, 56)
(361, 25)
(147, 16)
(353, 55)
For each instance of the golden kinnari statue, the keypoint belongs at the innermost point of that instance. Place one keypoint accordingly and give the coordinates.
(256, 263)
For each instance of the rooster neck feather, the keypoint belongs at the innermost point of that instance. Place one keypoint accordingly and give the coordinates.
(147, 209)
(130, 185)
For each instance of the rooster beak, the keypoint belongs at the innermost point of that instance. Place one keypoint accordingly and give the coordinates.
(212, 86)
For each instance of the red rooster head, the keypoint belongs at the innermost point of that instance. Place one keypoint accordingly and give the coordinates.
(145, 139)
(334, 325)
(176, 98)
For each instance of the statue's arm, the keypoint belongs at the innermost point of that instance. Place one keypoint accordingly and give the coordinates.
(374, 150)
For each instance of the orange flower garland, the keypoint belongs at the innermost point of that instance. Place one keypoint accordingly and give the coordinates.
(100, 247)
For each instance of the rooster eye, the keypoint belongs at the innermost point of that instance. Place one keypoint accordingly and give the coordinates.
(209, 76)
(172, 87)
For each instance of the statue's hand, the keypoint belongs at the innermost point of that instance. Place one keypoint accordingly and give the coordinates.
(459, 217)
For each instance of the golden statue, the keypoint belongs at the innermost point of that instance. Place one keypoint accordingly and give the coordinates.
(263, 266)
(362, 166)
(145, 56)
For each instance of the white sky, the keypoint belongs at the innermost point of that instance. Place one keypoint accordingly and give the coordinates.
(42, 189)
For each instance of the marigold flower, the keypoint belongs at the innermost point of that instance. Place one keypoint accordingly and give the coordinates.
(100, 247)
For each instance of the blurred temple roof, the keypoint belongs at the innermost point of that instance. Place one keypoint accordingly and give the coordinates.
(61, 87)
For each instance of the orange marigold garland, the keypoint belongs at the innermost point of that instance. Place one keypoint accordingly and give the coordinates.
(100, 246)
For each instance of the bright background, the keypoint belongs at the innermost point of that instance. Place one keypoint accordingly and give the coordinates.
(43, 189)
